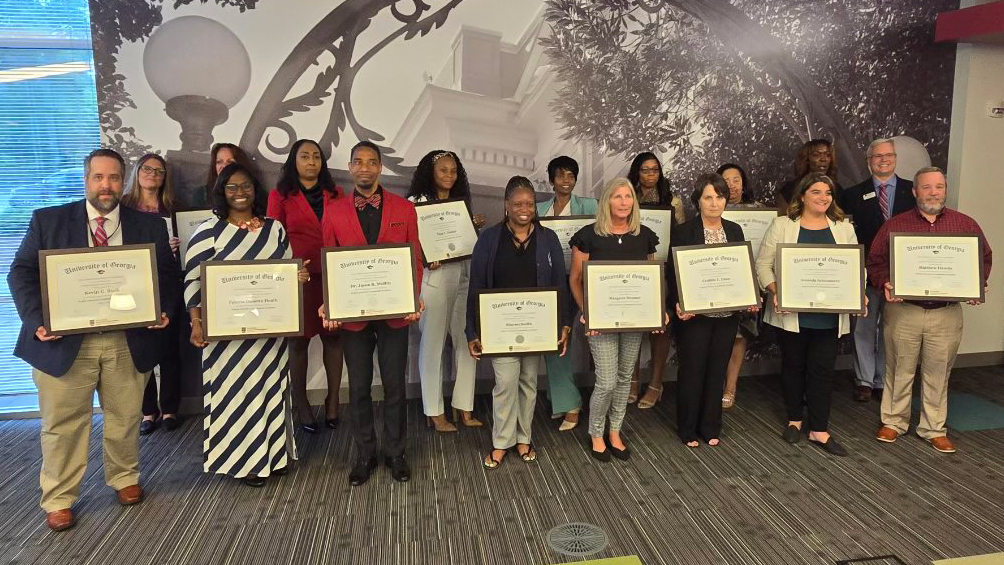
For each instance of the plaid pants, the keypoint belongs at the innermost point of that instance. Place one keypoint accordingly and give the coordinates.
(614, 355)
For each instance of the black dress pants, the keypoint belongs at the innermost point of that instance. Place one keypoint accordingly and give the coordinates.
(170, 367)
(391, 345)
(704, 344)
(807, 360)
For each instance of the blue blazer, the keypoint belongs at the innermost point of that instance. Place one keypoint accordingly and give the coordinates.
(550, 272)
(65, 227)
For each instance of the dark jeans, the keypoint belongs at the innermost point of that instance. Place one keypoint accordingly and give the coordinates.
(705, 345)
(391, 345)
(807, 360)
(170, 367)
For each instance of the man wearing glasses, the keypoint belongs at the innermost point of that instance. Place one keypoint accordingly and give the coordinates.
(870, 204)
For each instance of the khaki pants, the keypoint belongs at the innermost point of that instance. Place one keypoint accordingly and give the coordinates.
(930, 337)
(65, 403)
(513, 399)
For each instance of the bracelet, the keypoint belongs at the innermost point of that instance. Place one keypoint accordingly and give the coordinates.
(192, 323)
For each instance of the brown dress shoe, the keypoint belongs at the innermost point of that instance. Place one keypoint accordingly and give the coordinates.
(887, 434)
(862, 393)
(943, 444)
(60, 520)
(130, 495)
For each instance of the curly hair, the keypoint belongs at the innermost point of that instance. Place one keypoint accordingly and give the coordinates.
(289, 178)
(423, 181)
(220, 207)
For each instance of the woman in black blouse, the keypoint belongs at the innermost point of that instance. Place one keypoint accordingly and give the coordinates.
(618, 235)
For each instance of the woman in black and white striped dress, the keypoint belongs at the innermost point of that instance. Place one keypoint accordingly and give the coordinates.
(248, 425)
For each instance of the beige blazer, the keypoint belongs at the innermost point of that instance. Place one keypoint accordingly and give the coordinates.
(785, 230)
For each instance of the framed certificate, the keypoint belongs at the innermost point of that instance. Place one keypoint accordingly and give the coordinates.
(660, 220)
(95, 289)
(170, 226)
(754, 222)
(369, 282)
(716, 278)
(251, 299)
(826, 278)
(565, 227)
(518, 321)
(185, 224)
(446, 230)
(934, 266)
(624, 296)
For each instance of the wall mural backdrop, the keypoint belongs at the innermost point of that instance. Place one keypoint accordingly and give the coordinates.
(508, 85)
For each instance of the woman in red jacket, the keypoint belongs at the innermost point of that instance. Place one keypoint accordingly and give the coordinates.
(298, 202)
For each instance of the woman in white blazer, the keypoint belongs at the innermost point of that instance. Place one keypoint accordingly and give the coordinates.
(808, 341)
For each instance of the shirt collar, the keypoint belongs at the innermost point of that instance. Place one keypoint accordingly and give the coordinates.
(379, 190)
(891, 183)
(92, 213)
(916, 210)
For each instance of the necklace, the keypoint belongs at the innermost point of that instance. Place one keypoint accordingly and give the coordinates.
(254, 224)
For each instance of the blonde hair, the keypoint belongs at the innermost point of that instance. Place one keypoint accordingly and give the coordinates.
(603, 223)
(795, 207)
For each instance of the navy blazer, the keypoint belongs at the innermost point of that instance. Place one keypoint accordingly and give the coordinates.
(867, 214)
(550, 272)
(691, 232)
(65, 227)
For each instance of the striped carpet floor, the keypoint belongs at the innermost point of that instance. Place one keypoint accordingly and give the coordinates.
(754, 500)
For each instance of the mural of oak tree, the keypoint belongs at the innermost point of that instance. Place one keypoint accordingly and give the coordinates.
(748, 81)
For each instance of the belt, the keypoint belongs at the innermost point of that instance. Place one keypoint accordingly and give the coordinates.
(928, 304)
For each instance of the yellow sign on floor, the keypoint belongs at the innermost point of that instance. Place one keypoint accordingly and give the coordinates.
(989, 559)
(626, 560)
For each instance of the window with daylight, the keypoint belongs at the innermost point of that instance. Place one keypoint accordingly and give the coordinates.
(48, 123)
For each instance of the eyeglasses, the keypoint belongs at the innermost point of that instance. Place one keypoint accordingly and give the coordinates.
(883, 156)
(649, 171)
(242, 187)
(153, 170)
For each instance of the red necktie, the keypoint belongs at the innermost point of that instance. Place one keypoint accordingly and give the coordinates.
(100, 237)
(884, 201)
(373, 200)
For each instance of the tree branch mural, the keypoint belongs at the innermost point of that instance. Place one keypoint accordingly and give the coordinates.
(709, 81)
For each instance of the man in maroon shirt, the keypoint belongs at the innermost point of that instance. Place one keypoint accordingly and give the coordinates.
(927, 332)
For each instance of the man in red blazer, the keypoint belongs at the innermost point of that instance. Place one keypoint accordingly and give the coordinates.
(368, 216)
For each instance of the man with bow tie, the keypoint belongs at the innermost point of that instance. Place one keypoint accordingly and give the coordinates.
(370, 215)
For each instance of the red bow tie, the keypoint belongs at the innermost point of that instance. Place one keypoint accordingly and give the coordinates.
(373, 200)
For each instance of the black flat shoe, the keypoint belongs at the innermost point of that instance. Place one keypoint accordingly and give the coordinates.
(331, 423)
(172, 423)
(398, 468)
(254, 481)
(281, 471)
(148, 427)
(831, 446)
(622, 454)
(792, 434)
(603, 456)
(361, 471)
(309, 428)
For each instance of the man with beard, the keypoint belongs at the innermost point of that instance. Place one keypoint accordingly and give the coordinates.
(68, 370)
(367, 216)
(915, 331)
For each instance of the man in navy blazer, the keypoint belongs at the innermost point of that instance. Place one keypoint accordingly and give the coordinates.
(68, 369)
(871, 203)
